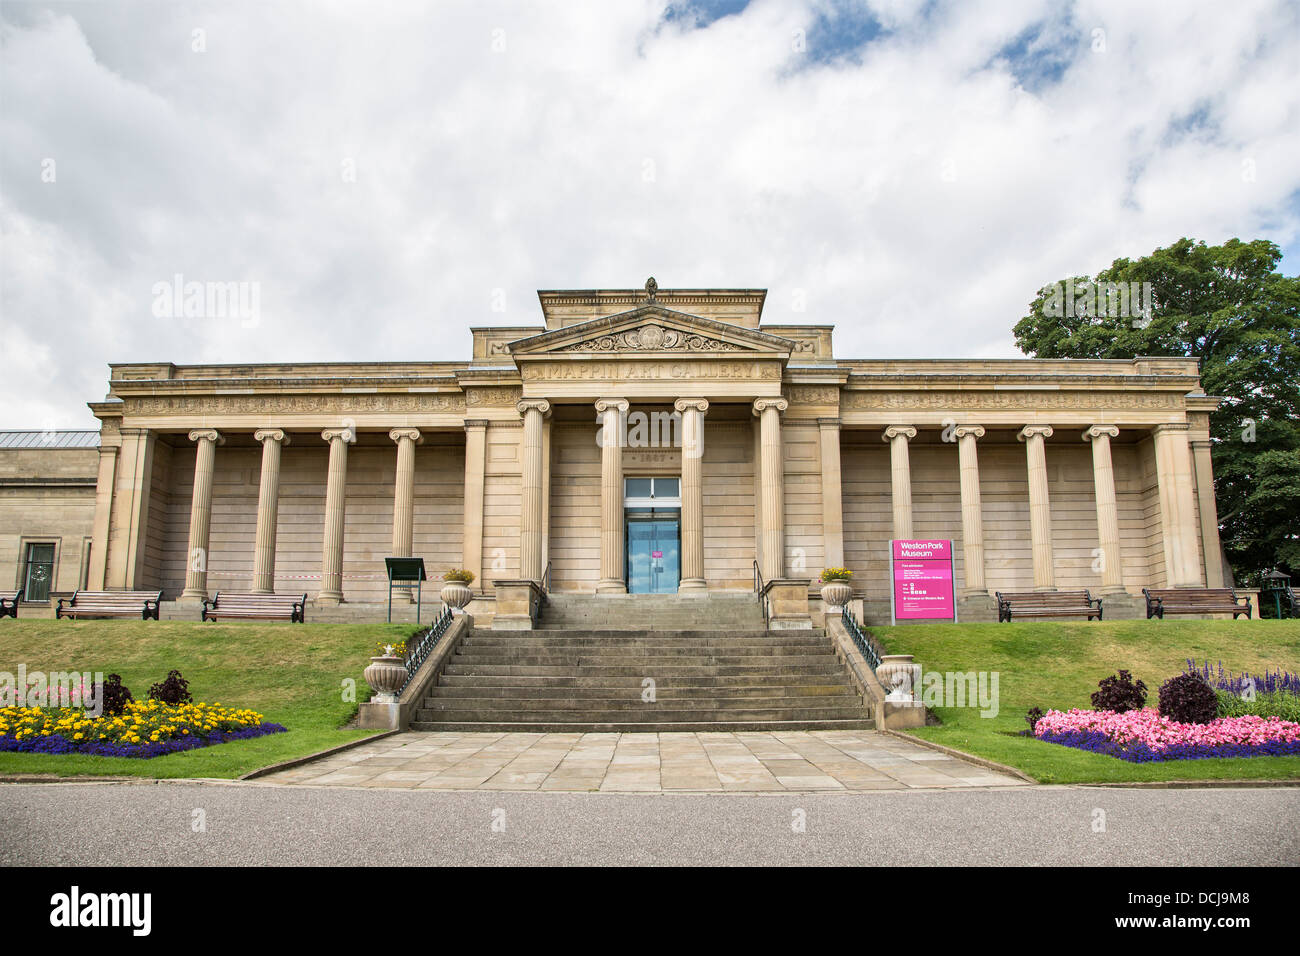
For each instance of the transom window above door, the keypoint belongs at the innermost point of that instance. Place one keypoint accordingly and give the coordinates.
(652, 492)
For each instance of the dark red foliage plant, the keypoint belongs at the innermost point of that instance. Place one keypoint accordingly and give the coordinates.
(1120, 693)
(1188, 699)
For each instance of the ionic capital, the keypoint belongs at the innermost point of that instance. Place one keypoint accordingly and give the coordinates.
(828, 423)
(619, 405)
(471, 423)
(207, 434)
(898, 431)
(345, 435)
(271, 434)
(1034, 431)
(961, 431)
(1096, 431)
(693, 404)
(1170, 427)
(397, 434)
(763, 404)
(535, 405)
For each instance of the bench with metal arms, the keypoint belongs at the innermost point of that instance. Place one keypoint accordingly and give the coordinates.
(9, 603)
(141, 604)
(1162, 601)
(1022, 604)
(238, 605)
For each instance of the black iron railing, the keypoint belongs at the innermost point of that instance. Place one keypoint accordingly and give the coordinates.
(863, 642)
(761, 591)
(546, 577)
(421, 646)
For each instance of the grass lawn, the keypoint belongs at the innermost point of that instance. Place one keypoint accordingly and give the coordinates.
(1057, 666)
(292, 674)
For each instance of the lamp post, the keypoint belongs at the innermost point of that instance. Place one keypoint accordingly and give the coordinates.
(1276, 583)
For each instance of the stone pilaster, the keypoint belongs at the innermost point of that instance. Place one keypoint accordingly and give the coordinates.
(1177, 506)
(404, 491)
(832, 499)
(531, 512)
(772, 488)
(612, 576)
(900, 477)
(196, 567)
(692, 411)
(268, 509)
(336, 483)
(972, 509)
(1208, 509)
(475, 465)
(1040, 506)
(1103, 480)
(97, 576)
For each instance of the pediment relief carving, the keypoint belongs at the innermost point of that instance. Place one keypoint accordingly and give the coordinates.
(652, 337)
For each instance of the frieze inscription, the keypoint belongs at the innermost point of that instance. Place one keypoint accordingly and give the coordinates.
(1013, 400)
(499, 395)
(290, 404)
(634, 371)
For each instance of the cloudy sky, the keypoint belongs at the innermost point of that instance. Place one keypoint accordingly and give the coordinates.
(386, 174)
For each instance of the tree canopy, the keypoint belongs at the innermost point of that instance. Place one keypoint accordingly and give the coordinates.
(1228, 307)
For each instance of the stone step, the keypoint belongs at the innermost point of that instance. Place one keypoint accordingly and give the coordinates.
(629, 638)
(649, 658)
(660, 670)
(705, 691)
(571, 680)
(625, 727)
(646, 713)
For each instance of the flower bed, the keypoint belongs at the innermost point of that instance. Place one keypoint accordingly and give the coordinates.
(1143, 736)
(144, 729)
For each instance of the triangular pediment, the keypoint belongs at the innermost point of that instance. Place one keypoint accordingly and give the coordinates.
(651, 330)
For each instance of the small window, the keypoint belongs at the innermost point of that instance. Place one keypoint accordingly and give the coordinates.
(40, 572)
(667, 488)
(638, 487)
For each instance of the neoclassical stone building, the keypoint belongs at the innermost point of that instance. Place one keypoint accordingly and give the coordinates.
(640, 441)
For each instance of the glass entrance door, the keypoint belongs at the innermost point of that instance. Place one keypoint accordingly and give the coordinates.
(653, 553)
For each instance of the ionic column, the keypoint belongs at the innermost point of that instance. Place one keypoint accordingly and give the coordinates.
(268, 509)
(331, 564)
(832, 499)
(404, 491)
(900, 477)
(771, 471)
(1103, 480)
(612, 576)
(1177, 506)
(475, 465)
(692, 411)
(106, 478)
(196, 568)
(1208, 509)
(1040, 506)
(972, 511)
(531, 510)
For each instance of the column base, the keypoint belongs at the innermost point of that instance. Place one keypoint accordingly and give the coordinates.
(1044, 587)
(694, 587)
(1113, 590)
(973, 593)
(192, 598)
(329, 598)
(610, 586)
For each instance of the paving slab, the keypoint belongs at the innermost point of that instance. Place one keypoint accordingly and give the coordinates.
(716, 761)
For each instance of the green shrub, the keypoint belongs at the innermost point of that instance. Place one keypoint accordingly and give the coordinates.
(1277, 704)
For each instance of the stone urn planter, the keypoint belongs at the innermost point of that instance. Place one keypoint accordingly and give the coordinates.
(836, 594)
(386, 675)
(899, 676)
(456, 594)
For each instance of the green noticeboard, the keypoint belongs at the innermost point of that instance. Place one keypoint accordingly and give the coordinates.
(405, 574)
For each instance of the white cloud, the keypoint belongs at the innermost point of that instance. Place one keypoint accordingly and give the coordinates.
(917, 192)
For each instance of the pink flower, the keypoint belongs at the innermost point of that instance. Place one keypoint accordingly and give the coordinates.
(1158, 733)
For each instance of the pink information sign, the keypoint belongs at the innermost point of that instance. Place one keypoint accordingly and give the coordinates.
(922, 580)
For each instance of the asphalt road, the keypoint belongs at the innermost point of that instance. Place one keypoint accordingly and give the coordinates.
(248, 824)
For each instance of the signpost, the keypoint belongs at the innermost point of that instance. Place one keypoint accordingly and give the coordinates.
(404, 574)
(921, 580)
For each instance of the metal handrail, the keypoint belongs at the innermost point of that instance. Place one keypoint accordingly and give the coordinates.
(546, 577)
(863, 643)
(424, 645)
(760, 590)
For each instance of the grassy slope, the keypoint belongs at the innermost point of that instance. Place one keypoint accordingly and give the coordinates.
(1058, 665)
(290, 673)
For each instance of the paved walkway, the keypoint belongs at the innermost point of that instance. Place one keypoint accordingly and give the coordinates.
(795, 761)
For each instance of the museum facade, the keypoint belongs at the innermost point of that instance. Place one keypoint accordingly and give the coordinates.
(637, 441)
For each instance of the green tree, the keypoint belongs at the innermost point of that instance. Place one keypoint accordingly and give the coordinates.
(1228, 307)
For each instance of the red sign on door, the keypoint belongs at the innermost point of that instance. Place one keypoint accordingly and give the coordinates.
(656, 554)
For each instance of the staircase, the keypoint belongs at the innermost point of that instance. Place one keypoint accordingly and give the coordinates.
(644, 663)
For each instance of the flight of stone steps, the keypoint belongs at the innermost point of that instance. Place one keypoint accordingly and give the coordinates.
(662, 664)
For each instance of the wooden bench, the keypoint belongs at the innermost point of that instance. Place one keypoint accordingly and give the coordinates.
(9, 603)
(259, 607)
(1022, 604)
(1162, 601)
(142, 604)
